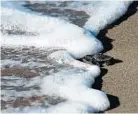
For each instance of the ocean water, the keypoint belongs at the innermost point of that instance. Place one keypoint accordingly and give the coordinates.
(40, 44)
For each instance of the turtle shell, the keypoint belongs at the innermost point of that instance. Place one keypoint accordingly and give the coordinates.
(100, 57)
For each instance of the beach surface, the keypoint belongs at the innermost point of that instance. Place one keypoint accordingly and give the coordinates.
(121, 79)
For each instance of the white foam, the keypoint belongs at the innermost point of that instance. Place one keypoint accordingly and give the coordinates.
(52, 32)
(15, 63)
(75, 86)
(105, 14)
(71, 107)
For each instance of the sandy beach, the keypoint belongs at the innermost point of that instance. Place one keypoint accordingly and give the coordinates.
(121, 79)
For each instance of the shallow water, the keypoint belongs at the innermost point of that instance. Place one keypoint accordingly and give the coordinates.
(23, 68)
(60, 10)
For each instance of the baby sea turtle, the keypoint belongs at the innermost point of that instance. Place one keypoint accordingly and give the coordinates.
(99, 59)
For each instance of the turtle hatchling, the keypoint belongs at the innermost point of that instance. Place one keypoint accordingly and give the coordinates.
(99, 59)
